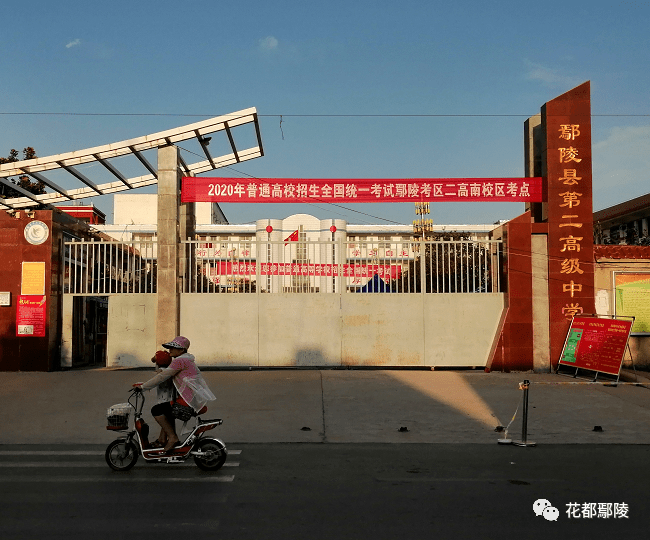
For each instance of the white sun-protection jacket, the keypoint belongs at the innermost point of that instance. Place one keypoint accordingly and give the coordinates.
(189, 382)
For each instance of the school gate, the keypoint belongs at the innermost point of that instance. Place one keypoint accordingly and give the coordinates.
(501, 304)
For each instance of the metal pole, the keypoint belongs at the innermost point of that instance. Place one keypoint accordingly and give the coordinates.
(524, 423)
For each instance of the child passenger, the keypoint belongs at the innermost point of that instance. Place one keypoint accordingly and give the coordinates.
(165, 394)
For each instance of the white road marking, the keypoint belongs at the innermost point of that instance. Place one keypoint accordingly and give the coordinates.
(51, 453)
(431, 479)
(101, 480)
(69, 452)
(89, 465)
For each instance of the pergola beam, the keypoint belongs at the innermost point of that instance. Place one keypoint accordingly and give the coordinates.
(204, 141)
(20, 190)
(144, 161)
(48, 183)
(232, 141)
(114, 171)
(74, 172)
(135, 147)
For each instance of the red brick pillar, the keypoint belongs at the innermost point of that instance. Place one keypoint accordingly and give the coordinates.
(566, 166)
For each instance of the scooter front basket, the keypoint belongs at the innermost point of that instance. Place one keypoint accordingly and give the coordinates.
(117, 416)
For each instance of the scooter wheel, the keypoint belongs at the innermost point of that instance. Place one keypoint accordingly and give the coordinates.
(215, 459)
(121, 455)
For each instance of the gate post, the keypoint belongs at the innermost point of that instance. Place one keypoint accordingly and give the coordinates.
(423, 267)
(168, 310)
(66, 330)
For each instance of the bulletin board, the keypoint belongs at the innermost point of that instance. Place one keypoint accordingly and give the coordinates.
(596, 343)
(31, 316)
(632, 292)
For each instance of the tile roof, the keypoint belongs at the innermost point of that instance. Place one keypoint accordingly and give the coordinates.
(621, 252)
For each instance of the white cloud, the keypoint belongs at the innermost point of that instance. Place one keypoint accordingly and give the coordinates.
(627, 142)
(621, 165)
(550, 77)
(73, 43)
(269, 43)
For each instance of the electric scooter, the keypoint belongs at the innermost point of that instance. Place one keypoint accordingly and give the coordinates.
(209, 453)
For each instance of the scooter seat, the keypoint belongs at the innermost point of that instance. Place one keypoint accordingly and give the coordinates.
(217, 421)
(203, 410)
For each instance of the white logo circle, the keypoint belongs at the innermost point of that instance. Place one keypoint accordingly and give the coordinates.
(36, 232)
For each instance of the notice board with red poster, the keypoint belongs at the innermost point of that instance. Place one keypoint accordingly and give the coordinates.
(596, 343)
(30, 316)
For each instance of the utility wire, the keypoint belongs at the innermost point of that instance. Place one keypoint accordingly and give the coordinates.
(319, 200)
(20, 113)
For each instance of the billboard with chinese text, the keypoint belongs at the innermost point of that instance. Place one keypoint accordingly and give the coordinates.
(596, 344)
(360, 190)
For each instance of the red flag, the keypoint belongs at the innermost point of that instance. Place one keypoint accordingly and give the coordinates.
(293, 237)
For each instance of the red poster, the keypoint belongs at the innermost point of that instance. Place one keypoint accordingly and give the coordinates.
(30, 316)
(596, 344)
(360, 190)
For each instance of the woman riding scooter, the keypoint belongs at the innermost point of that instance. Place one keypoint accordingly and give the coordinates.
(189, 384)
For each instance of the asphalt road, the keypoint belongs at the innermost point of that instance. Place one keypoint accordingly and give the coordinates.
(327, 491)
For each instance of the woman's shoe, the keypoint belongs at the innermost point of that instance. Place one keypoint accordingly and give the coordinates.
(170, 445)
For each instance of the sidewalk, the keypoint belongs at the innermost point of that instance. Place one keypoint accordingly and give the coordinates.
(340, 406)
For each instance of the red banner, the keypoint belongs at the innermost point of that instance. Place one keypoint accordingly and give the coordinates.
(360, 190)
(226, 268)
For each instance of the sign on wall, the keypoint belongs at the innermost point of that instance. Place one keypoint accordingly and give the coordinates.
(596, 344)
(30, 316)
(33, 278)
(360, 190)
(632, 292)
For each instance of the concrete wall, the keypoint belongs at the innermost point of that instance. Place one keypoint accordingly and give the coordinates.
(142, 209)
(131, 330)
(269, 330)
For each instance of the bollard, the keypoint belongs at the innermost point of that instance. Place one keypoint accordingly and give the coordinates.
(524, 422)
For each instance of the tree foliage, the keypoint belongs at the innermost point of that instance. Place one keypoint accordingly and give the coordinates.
(24, 182)
(461, 265)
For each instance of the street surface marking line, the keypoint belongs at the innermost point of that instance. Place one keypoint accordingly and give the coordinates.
(69, 452)
(52, 453)
(97, 479)
(433, 479)
(86, 465)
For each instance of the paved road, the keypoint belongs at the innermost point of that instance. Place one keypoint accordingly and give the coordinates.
(314, 491)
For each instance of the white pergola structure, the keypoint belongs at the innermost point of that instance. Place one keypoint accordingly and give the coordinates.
(67, 162)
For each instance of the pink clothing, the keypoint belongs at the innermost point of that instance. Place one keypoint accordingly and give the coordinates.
(188, 381)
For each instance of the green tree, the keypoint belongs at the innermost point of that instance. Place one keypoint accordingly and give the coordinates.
(459, 265)
(38, 187)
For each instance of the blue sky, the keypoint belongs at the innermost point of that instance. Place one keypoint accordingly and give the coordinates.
(334, 71)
